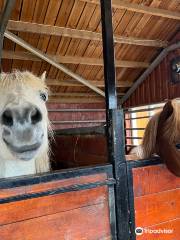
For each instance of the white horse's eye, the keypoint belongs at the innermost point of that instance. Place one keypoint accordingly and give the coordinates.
(43, 96)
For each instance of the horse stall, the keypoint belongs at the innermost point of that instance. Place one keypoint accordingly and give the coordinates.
(95, 189)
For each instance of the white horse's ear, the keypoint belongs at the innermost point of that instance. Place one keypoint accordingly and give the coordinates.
(43, 76)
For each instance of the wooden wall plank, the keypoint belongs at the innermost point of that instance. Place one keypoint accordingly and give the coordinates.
(77, 224)
(153, 179)
(157, 208)
(36, 207)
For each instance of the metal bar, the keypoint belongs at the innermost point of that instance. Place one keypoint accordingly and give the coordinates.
(54, 176)
(134, 138)
(148, 71)
(115, 126)
(3, 23)
(108, 53)
(76, 110)
(131, 129)
(53, 191)
(137, 118)
(59, 66)
(143, 110)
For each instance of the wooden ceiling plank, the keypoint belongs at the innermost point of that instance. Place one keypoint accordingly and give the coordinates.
(21, 26)
(68, 45)
(141, 9)
(72, 83)
(26, 14)
(43, 41)
(72, 59)
(61, 67)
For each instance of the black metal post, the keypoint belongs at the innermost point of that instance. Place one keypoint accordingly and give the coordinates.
(3, 22)
(115, 126)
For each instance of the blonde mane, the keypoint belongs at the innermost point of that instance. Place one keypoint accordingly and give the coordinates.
(14, 83)
(171, 131)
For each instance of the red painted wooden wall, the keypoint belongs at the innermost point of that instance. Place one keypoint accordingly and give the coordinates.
(73, 116)
(156, 202)
(157, 87)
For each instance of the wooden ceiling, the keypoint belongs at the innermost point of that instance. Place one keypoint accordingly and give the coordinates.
(69, 33)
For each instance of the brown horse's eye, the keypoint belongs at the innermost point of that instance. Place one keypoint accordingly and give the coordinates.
(43, 96)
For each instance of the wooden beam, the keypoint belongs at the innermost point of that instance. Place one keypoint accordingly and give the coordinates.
(79, 94)
(54, 63)
(72, 83)
(76, 100)
(18, 55)
(73, 94)
(141, 9)
(21, 26)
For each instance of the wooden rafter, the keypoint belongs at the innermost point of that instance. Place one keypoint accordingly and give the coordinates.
(79, 94)
(141, 9)
(97, 83)
(54, 63)
(76, 100)
(21, 26)
(18, 55)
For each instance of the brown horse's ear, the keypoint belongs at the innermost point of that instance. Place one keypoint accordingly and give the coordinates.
(43, 76)
(164, 115)
(166, 112)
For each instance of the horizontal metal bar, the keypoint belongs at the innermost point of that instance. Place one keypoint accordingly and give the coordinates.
(137, 118)
(72, 188)
(134, 138)
(54, 176)
(144, 162)
(142, 110)
(132, 129)
(78, 121)
(76, 110)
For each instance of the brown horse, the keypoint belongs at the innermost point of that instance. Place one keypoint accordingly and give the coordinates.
(162, 137)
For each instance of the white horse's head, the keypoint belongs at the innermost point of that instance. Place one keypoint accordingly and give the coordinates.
(24, 119)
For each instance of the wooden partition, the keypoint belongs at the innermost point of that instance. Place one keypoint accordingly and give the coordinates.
(78, 151)
(155, 194)
(73, 205)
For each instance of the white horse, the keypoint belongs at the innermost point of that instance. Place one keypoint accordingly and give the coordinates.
(24, 124)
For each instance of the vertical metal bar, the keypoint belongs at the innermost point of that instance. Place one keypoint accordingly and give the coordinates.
(3, 22)
(115, 126)
(108, 52)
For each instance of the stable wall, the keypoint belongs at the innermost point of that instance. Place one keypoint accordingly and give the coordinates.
(157, 87)
(77, 116)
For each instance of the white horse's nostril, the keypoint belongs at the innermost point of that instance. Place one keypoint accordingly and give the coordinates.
(7, 118)
(36, 116)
